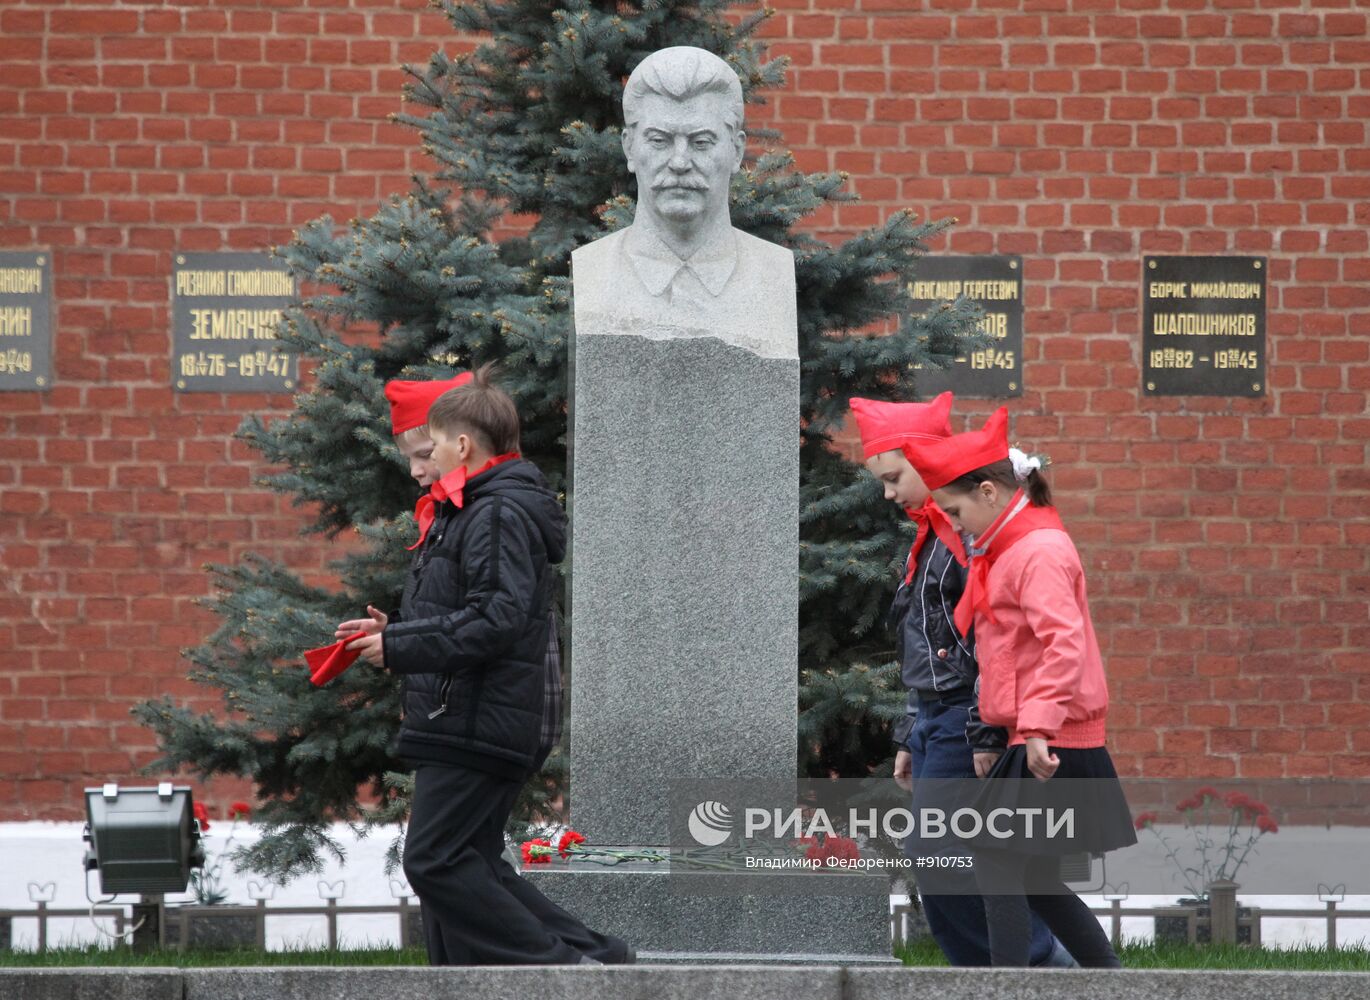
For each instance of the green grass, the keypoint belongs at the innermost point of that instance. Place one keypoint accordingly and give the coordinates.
(83, 957)
(1145, 954)
(1311, 958)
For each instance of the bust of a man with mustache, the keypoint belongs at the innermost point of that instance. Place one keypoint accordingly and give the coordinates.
(681, 269)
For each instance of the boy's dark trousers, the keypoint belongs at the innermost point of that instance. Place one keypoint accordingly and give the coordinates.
(956, 914)
(476, 909)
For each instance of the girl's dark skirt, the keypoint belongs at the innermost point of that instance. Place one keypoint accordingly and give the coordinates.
(1085, 784)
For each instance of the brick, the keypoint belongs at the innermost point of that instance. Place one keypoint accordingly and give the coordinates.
(1079, 136)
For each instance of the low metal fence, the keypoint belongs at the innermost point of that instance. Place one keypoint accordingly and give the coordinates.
(152, 922)
(1221, 920)
(1199, 920)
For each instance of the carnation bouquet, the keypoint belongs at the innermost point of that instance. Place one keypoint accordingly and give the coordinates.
(1223, 829)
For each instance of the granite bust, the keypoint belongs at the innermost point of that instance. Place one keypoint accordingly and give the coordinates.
(681, 269)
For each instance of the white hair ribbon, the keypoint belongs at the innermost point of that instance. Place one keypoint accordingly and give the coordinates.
(1023, 464)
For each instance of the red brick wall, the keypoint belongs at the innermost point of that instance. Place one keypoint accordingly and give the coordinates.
(1226, 540)
(130, 132)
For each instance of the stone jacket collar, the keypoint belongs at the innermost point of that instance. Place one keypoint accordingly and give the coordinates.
(657, 265)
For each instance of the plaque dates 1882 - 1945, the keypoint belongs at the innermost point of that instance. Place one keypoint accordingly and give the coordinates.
(1203, 326)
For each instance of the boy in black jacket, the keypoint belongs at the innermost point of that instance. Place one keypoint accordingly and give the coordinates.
(470, 641)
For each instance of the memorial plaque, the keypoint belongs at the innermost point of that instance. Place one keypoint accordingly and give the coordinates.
(1203, 326)
(25, 321)
(996, 285)
(225, 307)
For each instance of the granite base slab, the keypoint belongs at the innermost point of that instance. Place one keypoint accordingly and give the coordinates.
(648, 909)
(733, 958)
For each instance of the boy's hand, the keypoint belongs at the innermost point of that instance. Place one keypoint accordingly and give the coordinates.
(1040, 760)
(984, 760)
(371, 626)
(903, 770)
(370, 648)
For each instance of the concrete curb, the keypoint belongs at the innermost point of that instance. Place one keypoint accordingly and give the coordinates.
(645, 982)
(1093, 984)
(562, 982)
(92, 984)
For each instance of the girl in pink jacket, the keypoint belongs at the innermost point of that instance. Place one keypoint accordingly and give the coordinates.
(1042, 678)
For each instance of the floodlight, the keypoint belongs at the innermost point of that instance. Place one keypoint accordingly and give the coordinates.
(142, 840)
(1077, 867)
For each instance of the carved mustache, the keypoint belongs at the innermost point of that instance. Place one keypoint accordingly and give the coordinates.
(684, 185)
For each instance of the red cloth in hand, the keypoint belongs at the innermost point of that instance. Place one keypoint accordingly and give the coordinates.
(328, 662)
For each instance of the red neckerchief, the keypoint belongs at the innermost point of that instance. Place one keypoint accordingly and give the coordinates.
(1007, 528)
(449, 487)
(931, 518)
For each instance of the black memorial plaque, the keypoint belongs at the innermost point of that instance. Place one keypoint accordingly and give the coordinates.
(26, 321)
(996, 285)
(1203, 326)
(225, 307)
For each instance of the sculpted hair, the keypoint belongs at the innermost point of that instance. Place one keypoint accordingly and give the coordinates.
(681, 73)
(1036, 487)
(481, 409)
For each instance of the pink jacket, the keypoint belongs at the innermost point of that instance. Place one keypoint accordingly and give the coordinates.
(1040, 669)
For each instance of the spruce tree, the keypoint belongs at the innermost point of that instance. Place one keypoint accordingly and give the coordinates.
(525, 131)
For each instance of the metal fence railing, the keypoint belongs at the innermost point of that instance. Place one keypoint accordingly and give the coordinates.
(1200, 923)
(179, 927)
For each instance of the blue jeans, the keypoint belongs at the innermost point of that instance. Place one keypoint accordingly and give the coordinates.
(957, 921)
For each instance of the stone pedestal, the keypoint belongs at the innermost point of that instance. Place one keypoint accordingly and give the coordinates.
(685, 577)
(684, 600)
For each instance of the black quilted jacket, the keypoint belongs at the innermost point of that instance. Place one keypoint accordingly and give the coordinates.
(471, 639)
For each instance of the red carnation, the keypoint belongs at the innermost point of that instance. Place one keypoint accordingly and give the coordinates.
(845, 848)
(836, 848)
(1238, 800)
(1207, 829)
(568, 840)
(531, 858)
(239, 810)
(202, 814)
